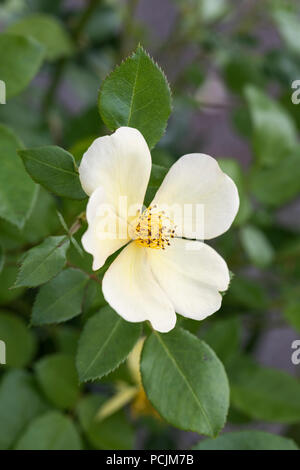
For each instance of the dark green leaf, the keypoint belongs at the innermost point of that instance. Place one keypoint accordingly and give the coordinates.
(43, 262)
(106, 341)
(55, 169)
(136, 94)
(185, 381)
(61, 298)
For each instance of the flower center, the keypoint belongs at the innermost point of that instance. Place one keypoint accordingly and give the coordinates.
(154, 229)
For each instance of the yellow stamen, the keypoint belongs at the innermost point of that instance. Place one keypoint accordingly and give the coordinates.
(154, 229)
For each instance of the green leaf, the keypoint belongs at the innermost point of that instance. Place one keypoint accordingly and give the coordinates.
(264, 393)
(240, 69)
(185, 381)
(66, 339)
(114, 432)
(287, 23)
(52, 431)
(19, 404)
(223, 336)
(21, 58)
(280, 184)
(19, 340)
(55, 169)
(247, 293)
(106, 341)
(57, 377)
(136, 94)
(17, 191)
(43, 262)
(48, 31)
(247, 440)
(274, 132)
(257, 246)
(61, 298)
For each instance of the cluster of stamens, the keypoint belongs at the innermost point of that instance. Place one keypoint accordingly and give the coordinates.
(154, 229)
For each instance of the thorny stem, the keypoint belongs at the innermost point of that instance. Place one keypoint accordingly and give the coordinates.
(73, 229)
(77, 224)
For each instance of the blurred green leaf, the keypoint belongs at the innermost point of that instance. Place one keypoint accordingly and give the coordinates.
(66, 339)
(280, 184)
(247, 293)
(20, 341)
(55, 169)
(185, 381)
(223, 336)
(106, 341)
(61, 298)
(287, 23)
(257, 246)
(43, 262)
(242, 69)
(105, 23)
(247, 440)
(21, 58)
(48, 31)
(19, 404)
(274, 132)
(52, 431)
(114, 432)
(17, 191)
(136, 94)
(264, 393)
(57, 377)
